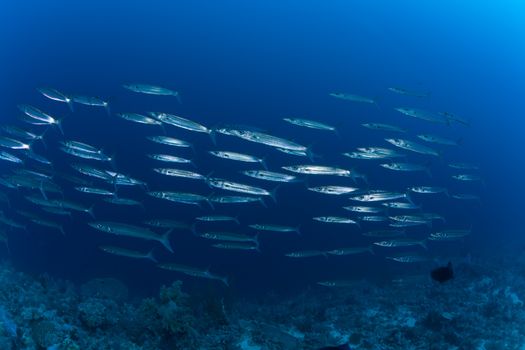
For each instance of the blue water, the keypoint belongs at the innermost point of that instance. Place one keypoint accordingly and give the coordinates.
(253, 63)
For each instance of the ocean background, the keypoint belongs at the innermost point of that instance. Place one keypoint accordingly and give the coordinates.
(253, 63)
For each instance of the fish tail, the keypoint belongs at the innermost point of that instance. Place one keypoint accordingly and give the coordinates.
(298, 230)
(213, 136)
(423, 243)
(106, 107)
(225, 281)
(59, 126)
(177, 96)
(263, 163)
(69, 102)
(151, 257)
(165, 240)
(273, 194)
(371, 250)
(61, 229)
(91, 212)
(42, 190)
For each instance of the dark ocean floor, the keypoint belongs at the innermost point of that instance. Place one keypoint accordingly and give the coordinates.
(482, 308)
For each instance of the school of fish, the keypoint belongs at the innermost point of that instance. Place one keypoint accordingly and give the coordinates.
(386, 217)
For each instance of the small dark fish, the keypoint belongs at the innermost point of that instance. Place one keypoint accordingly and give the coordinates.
(443, 273)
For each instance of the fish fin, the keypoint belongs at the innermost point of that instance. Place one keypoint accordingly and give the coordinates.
(106, 107)
(298, 230)
(236, 220)
(61, 229)
(177, 95)
(371, 250)
(213, 136)
(165, 240)
(263, 163)
(423, 243)
(112, 161)
(91, 212)
(70, 104)
(41, 188)
(151, 257)
(273, 193)
(225, 281)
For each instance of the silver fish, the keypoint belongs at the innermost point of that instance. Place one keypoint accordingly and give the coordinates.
(439, 140)
(228, 236)
(423, 115)
(241, 157)
(428, 189)
(236, 199)
(333, 190)
(170, 141)
(121, 229)
(274, 228)
(217, 218)
(91, 101)
(305, 254)
(455, 118)
(351, 251)
(401, 205)
(180, 173)
(269, 175)
(193, 271)
(10, 157)
(379, 196)
(405, 167)
(139, 118)
(128, 253)
(402, 91)
(13, 144)
(402, 242)
(335, 220)
(81, 146)
(413, 146)
(270, 140)
(467, 177)
(169, 158)
(39, 116)
(237, 246)
(383, 127)
(180, 122)
(362, 209)
(464, 166)
(94, 190)
(318, 170)
(312, 124)
(56, 95)
(151, 90)
(238, 187)
(352, 97)
(180, 197)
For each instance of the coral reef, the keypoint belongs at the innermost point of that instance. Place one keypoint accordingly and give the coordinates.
(474, 311)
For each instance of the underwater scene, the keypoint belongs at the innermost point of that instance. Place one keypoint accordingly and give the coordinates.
(262, 175)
